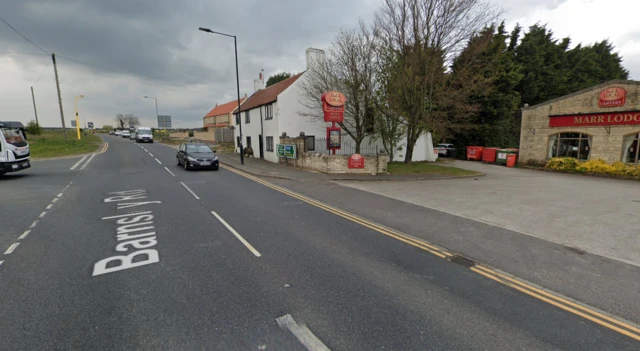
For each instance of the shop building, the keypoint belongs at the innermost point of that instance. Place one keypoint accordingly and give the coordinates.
(601, 122)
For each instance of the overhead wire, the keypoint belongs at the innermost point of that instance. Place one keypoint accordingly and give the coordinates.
(23, 36)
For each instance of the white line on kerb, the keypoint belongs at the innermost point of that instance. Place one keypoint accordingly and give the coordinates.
(78, 163)
(306, 337)
(49, 206)
(191, 191)
(169, 171)
(43, 213)
(233, 231)
(158, 161)
(89, 160)
(11, 248)
(126, 215)
(24, 235)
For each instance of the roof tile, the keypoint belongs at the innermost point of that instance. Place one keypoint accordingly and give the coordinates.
(270, 94)
(225, 108)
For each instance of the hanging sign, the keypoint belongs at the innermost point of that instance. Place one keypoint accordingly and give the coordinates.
(333, 106)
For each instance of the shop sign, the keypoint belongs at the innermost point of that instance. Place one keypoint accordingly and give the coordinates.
(612, 97)
(596, 119)
(333, 106)
(356, 161)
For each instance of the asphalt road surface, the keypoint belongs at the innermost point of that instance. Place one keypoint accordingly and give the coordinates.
(124, 250)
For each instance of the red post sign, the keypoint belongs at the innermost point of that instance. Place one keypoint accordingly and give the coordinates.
(596, 119)
(333, 106)
(356, 161)
(333, 138)
(612, 97)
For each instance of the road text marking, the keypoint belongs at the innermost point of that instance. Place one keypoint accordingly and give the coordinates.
(306, 337)
(127, 215)
(169, 171)
(11, 248)
(78, 163)
(233, 231)
(24, 235)
(189, 190)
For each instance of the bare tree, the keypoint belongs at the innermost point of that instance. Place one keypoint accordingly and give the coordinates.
(120, 120)
(349, 68)
(417, 41)
(132, 119)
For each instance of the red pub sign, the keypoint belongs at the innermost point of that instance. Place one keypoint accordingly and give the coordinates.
(333, 106)
(596, 119)
(356, 161)
(612, 97)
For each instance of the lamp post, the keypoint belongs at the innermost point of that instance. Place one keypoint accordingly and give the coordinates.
(235, 44)
(75, 103)
(151, 97)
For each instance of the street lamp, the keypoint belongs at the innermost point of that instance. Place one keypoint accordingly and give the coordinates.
(151, 97)
(235, 43)
(75, 103)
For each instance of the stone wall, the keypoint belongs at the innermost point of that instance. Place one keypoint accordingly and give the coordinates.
(208, 136)
(179, 135)
(607, 141)
(332, 164)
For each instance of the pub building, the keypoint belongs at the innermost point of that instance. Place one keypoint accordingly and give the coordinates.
(601, 122)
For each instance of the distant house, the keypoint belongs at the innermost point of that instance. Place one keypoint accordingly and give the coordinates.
(278, 109)
(221, 116)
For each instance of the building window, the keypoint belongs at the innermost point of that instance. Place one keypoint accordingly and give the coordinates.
(630, 145)
(268, 111)
(576, 145)
(248, 142)
(247, 117)
(310, 140)
(269, 143)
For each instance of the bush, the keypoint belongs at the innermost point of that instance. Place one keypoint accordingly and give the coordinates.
(33, 128)
(563, 164)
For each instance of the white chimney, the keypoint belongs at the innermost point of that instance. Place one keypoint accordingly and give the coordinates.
(258, 83)
(314, 56)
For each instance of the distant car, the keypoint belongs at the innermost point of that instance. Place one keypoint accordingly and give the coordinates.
(197, 155)
(111, 132)
(144, 134)
(118, 133)
(132, 135)
(446, 150)
(125, 134)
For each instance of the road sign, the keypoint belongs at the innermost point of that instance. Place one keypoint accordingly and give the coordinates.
(90, 125)
(288, 151)
(280, 150)
(164, 122)
(73, 123)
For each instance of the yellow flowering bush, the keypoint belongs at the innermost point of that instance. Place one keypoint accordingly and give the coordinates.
(594, 166)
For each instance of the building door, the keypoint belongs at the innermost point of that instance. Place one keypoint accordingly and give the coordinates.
(238, 142)
(261, 142)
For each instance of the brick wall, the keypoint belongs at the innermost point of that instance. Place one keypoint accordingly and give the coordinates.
(535, 130)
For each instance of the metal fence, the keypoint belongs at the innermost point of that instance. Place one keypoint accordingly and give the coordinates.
(347, 147)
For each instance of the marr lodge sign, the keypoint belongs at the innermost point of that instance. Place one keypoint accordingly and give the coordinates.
(596, 119)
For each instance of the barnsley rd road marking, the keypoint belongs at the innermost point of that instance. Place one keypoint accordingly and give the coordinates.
(593, 315)
(158, 161)
(11, 248)
(169, 171)
(192, 193)
(78, 163)
(233, 231)
(127, 215)
(306, 337)
(24, 235)
(86, 163)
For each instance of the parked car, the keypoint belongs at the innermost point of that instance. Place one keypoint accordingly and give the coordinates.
(111, 132)
(118, 133)
(125, 134)
(197, 155)
(446, 150)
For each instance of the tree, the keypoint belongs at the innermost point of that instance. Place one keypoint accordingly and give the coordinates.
(349, 69)
(33, 128)
(107, 127)
(278, 77)
(131, 119)
(417, 39)
(120, 120)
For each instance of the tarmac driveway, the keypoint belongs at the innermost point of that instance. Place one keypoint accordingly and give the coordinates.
(597, 215)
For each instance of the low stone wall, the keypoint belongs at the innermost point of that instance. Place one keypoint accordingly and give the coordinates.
(339, 164)
(208, 136)
(179, 135)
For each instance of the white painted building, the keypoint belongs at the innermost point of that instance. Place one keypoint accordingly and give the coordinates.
(275, 110)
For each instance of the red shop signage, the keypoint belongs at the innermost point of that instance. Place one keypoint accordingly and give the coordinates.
(333, 106)
(596, 119)
(612, 97)
(356, 161)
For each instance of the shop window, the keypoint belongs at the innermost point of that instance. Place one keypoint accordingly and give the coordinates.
(630, 145)
(576, 145)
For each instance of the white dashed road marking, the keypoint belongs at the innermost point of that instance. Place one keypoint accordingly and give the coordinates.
(42, 214)
(34, 224)
(233, 231)
(49, 206)
(150, 154)
(60, 195)
(158, 161)
(24, 235)
(11, 248)
(55, 200)
(169, 171)
(306, 337)
(189, 190)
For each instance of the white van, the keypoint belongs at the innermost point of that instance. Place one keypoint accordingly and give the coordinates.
(14, 149)
(144, 134)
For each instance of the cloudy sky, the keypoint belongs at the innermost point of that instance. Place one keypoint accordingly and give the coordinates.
(116, 51)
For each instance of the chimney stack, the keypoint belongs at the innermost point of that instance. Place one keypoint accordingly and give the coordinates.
(314, 56)
(258, 83)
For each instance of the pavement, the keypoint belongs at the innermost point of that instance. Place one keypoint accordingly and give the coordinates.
(137, 253)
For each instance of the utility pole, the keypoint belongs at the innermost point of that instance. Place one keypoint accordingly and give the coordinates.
(55, 69)
(33, 97)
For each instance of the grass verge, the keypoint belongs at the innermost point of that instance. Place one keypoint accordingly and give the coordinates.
(427, 168)
(51, 144)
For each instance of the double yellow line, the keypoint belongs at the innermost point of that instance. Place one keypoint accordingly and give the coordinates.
(554, 299)
(104, 148)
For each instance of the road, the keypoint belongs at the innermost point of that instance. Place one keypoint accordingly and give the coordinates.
(133, 252)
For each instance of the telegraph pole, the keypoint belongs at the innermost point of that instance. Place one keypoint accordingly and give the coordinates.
(33, 97)
(55, 69)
